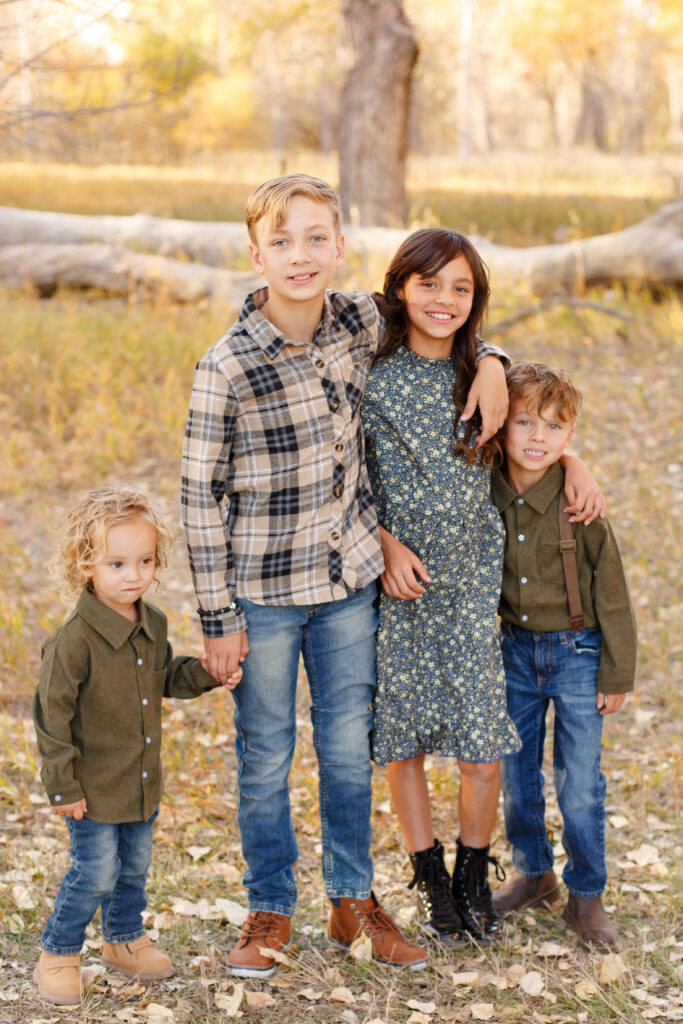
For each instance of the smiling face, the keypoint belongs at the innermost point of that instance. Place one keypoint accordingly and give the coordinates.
(300, 255)
(127, 568)
(437, 305)
(533, 441)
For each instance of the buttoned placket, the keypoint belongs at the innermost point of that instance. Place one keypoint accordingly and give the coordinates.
(147, 713)
(522, 513)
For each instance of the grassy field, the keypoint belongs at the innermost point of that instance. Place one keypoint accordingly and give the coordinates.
(95, 389)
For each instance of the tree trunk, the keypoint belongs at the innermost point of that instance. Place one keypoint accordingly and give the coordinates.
(374, 112)
(46, 250)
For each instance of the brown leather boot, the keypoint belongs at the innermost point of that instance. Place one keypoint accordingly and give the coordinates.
(523, 892)
(261, 928)
(350, 917)
(137, 959)
(59, 978)
(587, 916)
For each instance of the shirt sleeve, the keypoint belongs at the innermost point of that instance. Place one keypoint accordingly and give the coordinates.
(62, 672)
(206, 463)
(613, 610)
(186, 677)
(487, 348)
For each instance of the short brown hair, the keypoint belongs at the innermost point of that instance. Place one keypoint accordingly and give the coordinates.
(83, 536)
(271, 199)
(542, 386)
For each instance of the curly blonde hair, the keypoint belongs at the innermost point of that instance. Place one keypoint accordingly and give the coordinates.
(83, 536)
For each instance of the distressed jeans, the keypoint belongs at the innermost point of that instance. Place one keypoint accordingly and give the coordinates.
(337, 640)
(562, 667)
(109, 865)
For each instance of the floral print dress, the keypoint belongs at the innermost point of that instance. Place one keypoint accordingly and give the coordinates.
(440, 680)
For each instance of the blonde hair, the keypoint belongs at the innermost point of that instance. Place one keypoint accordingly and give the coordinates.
(83, 535)
(271, 199)
(542, 386)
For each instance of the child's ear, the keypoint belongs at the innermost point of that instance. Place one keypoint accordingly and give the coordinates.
(256, 261)
(341, 251)
(571, 433)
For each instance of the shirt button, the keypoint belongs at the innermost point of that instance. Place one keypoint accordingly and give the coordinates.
(525, 618)
(520, 536)
(523, 580)
(320, 363)
(144, 775)
(338, 491)
(334, 536)
(57, 798)
(145, 701)
(339, 447)
(520, 501)
(334, 405)
(139, 661)
(148, 739)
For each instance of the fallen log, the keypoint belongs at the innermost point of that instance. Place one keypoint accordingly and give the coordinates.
(649, 253)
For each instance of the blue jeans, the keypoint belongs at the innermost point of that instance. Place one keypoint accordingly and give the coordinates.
(562, 667)
(109, 865)
(337, 640)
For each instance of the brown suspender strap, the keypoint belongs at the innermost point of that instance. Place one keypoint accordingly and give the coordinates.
(571, 573)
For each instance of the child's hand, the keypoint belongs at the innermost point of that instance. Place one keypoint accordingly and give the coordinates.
(234, 679)
(586, 500)
(489, 392)
(400, 566)
(76, 811)
(224, 654)
(608, 703)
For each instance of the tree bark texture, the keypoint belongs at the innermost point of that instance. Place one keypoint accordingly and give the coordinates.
(190, 260)
(374, 112)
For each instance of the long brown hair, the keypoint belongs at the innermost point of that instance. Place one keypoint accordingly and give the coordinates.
(424, 253)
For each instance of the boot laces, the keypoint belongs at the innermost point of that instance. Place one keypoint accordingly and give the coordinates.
(433, 883)
(481, 898)
(261, 922)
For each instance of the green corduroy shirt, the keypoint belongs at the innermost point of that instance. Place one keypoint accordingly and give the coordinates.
(534, 594)
(97, 708)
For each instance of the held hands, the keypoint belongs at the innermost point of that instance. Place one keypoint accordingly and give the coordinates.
(489, 392)
(223, 657)
(608, 703)
(400, 566)
(586, 500)
(76, 811)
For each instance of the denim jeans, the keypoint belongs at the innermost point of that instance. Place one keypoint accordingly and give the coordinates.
(337, 640)
(109, 865)
(562, 667)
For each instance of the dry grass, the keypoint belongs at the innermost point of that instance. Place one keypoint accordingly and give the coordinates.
(95, 389)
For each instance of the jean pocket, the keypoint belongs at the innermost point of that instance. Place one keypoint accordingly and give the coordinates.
(588, 641)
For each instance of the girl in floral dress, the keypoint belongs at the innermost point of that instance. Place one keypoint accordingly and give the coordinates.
(440, 680)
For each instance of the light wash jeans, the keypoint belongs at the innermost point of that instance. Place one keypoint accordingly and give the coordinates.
(337, 640)
(109, 865)
(562, 667)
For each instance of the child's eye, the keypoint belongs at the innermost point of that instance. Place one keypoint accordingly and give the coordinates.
(554, 426)
(278, 243)
(319, 238)
(115, 565)
(147, 561)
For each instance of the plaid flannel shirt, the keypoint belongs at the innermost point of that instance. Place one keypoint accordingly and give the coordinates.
(277, 505)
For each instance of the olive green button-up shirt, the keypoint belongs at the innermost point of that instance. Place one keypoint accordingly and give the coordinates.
(534, 594)
(97, 708)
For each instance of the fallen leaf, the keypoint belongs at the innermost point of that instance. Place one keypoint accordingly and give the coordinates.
(643, 855)
(465, 978)
(532, 983)
(230, 1003)
(197, 852)
(275, 954)
(258, 998)
(310, 993)
(611, 968)
(361, 948)
(22, 897)
(552, 949)
(415, 1004)
(481, 1011)
(419, 1018)
(233, 912)
(618, 821)
(585, 989)
(157, 1013)
(341, 995)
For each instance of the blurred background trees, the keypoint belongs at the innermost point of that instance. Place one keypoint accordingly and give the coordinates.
(148, 81)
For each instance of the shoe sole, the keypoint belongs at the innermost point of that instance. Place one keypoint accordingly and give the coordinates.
(127, 972)
(52, 997)
(257, 972)
(418, 965)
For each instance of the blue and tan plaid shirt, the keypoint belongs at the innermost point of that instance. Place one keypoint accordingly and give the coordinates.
(277, 505)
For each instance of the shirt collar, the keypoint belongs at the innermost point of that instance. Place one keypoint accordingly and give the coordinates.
(114, 628)
(267, 336)
(538, 497)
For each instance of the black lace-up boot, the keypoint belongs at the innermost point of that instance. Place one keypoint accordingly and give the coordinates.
(473, 897)
(439, 916)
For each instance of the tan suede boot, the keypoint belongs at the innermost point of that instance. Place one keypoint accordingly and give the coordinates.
(351, 917)
(59, 978)
(137, 959)
(263, 929)
(587, 916)
(523, 892)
